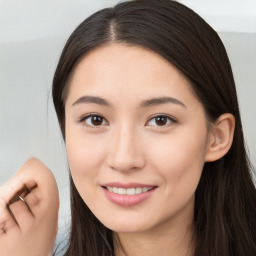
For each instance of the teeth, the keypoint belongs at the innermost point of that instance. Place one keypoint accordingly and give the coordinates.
(131, 191)
(128, 191)
(121, 191)
(144, 190)
(139, 190)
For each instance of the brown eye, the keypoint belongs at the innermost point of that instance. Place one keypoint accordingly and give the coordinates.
(95, 120)
(161, 120)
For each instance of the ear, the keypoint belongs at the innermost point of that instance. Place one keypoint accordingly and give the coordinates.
(220, 137)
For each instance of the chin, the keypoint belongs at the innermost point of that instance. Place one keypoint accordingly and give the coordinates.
(126, 227)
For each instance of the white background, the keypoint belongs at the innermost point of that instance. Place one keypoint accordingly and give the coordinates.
(32, 35)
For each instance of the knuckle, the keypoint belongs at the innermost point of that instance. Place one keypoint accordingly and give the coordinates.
(4, 215)
(32, 200)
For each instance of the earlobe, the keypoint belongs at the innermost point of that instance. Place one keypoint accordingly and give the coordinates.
(220, 137)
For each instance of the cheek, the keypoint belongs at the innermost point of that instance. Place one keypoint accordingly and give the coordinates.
(84, 152)
(85, 157)
(180, 166)
(84, 164)
(179, 159)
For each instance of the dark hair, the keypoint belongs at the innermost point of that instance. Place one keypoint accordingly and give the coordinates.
(225, 200)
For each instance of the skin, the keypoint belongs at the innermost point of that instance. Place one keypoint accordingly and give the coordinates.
(29, 229)
(128, 146)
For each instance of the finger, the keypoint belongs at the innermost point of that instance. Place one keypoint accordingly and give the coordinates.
(33, 175)
(2, 230)
(31, 201)
(37, 185)
(22, 214)
(7, 222)
(14, 186)
(43, 186)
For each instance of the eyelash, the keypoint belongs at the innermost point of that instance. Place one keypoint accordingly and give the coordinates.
(83, 120)
(170, 120)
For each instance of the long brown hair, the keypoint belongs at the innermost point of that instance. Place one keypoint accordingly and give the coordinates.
(225, 200)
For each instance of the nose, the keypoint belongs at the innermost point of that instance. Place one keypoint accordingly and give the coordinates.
(126, 151)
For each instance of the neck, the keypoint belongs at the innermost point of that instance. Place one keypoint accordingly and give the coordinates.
(164, 241)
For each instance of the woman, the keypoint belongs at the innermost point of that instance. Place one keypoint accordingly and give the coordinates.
(147, 106)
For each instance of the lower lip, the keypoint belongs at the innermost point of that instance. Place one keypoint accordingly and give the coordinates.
(128, 200)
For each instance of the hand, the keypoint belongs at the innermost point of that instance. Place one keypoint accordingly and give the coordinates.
(29, 204)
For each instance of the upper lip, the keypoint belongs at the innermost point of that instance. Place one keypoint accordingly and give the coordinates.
(127, 185)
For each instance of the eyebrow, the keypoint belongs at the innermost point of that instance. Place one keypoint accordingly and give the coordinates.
(161, 100)
(92, 99)
(145, 103)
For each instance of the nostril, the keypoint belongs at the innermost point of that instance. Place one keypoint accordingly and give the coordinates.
(129, 163)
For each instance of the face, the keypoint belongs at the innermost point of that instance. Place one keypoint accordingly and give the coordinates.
(136, 139)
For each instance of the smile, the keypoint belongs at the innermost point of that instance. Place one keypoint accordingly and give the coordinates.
(128, 195)
(128, 191)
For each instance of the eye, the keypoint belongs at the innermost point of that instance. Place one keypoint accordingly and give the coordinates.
(161, 120)
(94, 120)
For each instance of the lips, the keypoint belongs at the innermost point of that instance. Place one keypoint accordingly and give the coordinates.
(128, 194)
(129, 191)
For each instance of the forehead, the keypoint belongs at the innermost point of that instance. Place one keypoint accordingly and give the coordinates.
(127, 70)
